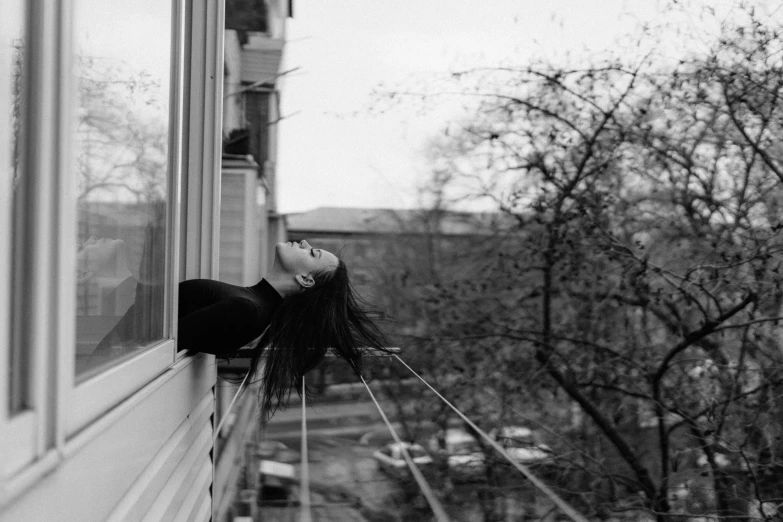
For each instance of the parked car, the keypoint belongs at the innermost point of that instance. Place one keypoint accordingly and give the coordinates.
(521, 444)
(275, 480)
(721, 460)
(463, 453)
(390, 458)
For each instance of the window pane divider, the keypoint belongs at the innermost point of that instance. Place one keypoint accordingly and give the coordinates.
(63, 352)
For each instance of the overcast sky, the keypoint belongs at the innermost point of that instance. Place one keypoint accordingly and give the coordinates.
(334, 151)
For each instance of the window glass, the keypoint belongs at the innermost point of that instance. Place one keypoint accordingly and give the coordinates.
(122, 66)
(11, 78)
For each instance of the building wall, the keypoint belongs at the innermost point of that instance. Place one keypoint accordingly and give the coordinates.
(150, 460)
(387, 253)
(131, 440)
(239, 224)
(249, 231)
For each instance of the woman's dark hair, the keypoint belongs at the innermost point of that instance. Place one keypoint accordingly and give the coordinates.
(304, 327)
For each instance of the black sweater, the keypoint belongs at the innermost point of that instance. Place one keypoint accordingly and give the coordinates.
(220, 318)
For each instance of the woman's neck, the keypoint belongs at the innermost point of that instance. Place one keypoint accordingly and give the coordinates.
(282, 281)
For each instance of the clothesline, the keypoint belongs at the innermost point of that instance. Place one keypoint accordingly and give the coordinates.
(305, 511)
(246, 352)
(228, 410)
(435, 505)
(554, 497)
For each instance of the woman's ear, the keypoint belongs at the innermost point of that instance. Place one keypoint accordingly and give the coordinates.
(305, 281)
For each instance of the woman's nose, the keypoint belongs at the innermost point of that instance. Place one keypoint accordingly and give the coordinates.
(305, 244)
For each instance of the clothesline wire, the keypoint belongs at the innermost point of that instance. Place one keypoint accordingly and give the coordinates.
(247, 374)
(305, 512)
(228, 410)
(559, 502)
(435, 505)
(231, 404)
(437, 508)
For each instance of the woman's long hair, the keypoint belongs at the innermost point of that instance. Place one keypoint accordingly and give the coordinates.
(304, 327)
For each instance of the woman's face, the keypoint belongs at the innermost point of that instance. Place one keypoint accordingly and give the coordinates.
(299, 258)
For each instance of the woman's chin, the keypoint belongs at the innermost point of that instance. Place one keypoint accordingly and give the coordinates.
(280, 251)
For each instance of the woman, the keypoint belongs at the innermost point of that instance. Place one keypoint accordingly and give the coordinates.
(305, 307)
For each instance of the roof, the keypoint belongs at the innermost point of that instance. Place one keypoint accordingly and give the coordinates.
(393, 221)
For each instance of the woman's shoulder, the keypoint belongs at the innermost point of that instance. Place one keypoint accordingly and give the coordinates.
(202, 292)
(218, 298)
(209, 284)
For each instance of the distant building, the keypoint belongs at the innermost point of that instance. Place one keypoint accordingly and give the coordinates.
(363, 236)
(383, 247)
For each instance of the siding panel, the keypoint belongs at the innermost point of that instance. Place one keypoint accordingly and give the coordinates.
(239, 226)
(230, 460)
(205, 510)
(232, 227)
(92, 481)
(149, 485)
(173, 494)
(198, 490)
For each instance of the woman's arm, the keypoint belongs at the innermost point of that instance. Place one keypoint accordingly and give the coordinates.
(221, 328)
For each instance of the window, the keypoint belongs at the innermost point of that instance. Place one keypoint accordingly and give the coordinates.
(89, 209)
(122, 68)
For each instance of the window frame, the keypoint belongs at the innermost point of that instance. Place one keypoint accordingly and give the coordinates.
(199, 190)
(64, 415)
(86, 399)
(22, 432)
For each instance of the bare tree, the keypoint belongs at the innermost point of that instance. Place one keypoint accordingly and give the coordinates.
(122, 142)
(641, 282)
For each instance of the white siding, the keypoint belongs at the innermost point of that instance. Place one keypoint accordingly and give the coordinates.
(239, 230)
(185, 447)
(233, 455)
(151, 454)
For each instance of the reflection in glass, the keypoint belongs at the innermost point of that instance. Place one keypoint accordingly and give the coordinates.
(122, 69)
(11, 79)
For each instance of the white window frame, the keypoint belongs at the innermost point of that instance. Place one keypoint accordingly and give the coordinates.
(23, 435)
(35, 441)
(193, 212)
(87, 400)
(200, 189)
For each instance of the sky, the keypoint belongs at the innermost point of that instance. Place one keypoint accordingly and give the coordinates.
(337, 149)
